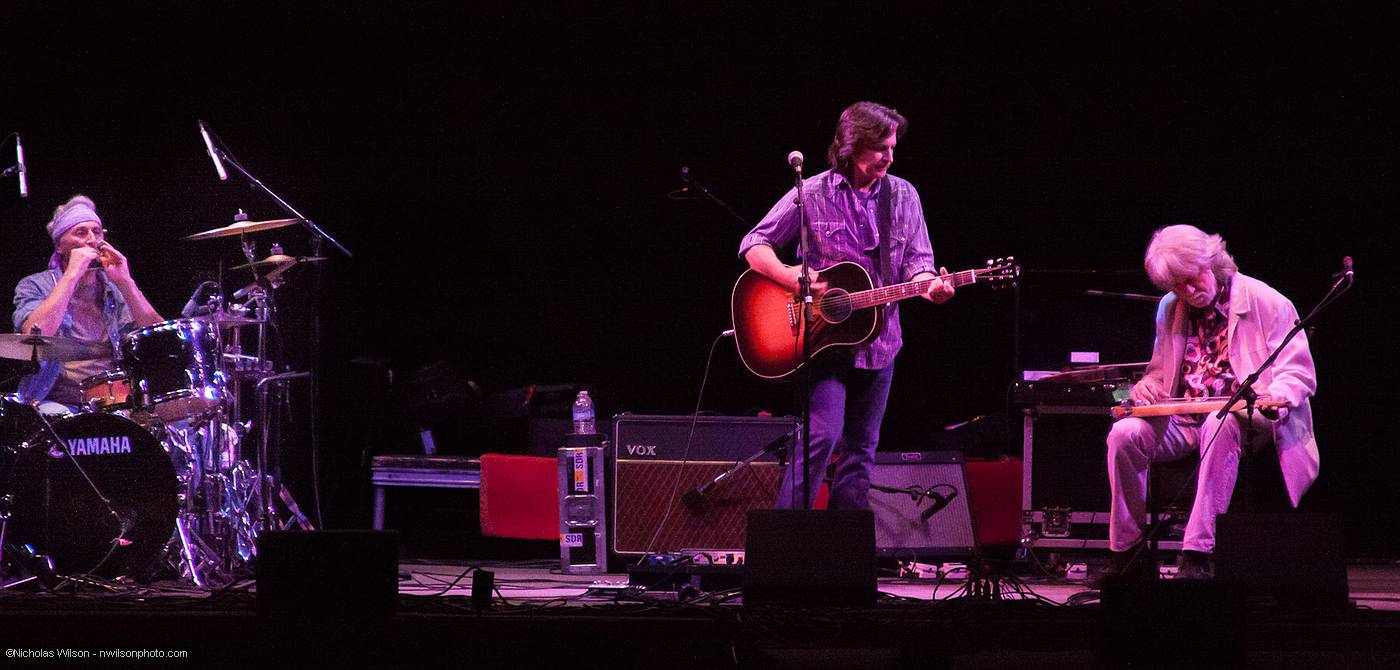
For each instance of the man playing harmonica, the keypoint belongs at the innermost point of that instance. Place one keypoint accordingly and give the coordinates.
(87, 293)
(1215, 328)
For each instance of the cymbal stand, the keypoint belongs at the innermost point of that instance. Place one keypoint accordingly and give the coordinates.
(272, 487)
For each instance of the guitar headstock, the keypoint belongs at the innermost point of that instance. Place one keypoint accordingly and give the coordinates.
(1001, 272)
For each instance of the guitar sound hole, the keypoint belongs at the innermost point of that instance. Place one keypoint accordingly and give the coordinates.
(835, 305)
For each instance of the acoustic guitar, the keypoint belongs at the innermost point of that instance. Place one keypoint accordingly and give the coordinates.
(768, 317)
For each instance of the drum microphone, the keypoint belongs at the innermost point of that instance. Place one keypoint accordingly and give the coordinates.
(213, 155)
(192, 306)
(23, 172)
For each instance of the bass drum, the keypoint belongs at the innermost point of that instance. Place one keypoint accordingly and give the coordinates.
(104, 505)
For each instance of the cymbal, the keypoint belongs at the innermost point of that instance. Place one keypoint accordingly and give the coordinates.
(21, 347)
(241, 228)
(226, 319)
(277, 261)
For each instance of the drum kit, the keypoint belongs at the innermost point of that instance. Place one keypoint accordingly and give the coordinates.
(153, 476)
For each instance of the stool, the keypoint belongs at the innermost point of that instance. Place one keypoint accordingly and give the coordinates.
(441, 472)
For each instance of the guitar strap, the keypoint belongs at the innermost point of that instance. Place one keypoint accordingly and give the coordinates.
(883, 216)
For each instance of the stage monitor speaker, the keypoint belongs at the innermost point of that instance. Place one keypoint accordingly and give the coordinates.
(328, 575)
(1295, 559)
(820, 557)
(921, 504)
(654, 470)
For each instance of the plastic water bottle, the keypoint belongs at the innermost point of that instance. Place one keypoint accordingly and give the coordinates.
(583, 414)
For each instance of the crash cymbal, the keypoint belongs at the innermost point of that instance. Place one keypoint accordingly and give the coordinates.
(19, 346)
(277, 261)
(241, 228)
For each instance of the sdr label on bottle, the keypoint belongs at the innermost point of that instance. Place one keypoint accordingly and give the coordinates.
(572, 540)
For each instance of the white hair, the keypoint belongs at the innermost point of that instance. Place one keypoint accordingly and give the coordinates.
(1178, 253)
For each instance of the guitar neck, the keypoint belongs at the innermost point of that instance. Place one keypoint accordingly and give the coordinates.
(909, 289)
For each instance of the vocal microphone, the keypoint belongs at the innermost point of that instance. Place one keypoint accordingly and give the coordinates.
(939, 502)
(1346, 269)
(795, 160)
(23, 172)
(213, 155)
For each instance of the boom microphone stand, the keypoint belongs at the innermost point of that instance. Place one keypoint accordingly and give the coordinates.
(1344, 281)
(317, 236)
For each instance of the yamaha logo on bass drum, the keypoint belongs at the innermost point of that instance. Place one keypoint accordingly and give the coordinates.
(99, 446)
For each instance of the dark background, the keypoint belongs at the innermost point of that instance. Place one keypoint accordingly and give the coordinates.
(502, 178)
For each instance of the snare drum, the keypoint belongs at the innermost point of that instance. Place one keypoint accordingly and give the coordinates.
(105, 505)
(107, 391)
(173, 368)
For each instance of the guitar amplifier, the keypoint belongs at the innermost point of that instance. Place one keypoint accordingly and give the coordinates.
(657, 460)
(922, 505)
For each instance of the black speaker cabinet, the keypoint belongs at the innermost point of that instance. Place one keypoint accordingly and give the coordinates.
(328, 575)
(657, 460)
(921, 504)
(823, 557)
(1296, 560)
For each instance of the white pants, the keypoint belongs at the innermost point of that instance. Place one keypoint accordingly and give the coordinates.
(1134, 444)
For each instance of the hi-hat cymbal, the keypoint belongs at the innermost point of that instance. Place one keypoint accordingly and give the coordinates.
(277, 261)
(21, 347)
(241, 228)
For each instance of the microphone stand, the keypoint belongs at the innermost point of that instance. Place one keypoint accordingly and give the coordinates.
(804, 379)
(1246, 387)
(1245, 390)
(317, 237)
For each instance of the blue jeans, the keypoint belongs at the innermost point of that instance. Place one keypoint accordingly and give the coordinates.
(848, 405)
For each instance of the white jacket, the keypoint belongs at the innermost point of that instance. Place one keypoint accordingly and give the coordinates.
(1260, 317)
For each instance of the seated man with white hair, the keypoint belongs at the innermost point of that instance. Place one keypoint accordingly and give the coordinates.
(86, 293)
(1214, 328)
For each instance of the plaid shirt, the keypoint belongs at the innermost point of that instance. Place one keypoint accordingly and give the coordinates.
(845, 227)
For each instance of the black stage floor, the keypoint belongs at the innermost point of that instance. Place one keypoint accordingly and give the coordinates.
(540, 618)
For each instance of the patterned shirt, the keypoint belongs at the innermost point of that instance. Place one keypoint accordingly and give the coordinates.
(845, 227)
(1205, 365)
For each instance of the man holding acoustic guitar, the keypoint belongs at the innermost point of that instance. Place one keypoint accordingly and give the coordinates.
(1214, 329)
(872, 225)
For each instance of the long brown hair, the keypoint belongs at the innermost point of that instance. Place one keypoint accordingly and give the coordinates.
(861, 124)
